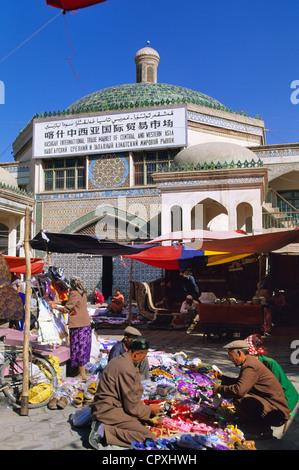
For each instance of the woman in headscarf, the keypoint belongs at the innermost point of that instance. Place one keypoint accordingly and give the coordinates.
(255, 348)
(79, 325)
(98, 297)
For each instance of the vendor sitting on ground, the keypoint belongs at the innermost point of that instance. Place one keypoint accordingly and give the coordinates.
(117, 410)
(122, 346)
(256, 349)
(188, 309)
(257, 395)
(117, 302)
(189, 312)
(98, 297)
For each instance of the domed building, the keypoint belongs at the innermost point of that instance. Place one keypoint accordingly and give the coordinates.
(145, 92)
(117, 161)
(219, 153)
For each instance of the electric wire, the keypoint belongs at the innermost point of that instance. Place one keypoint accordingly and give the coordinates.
(30, 37)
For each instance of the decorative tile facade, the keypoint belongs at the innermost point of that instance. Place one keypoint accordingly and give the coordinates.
(87, 268)
(209, 182)
(69, 216)
(280, 169)
(81, 195)
(224, 123)
(90, 269)
(141, 272)
(108, 171)
(276, 153)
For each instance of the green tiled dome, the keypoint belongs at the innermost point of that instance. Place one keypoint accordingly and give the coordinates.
(139, 95)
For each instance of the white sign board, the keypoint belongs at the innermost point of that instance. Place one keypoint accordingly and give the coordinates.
(110, 133)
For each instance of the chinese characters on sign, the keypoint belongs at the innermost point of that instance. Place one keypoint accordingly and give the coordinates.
(149, 129)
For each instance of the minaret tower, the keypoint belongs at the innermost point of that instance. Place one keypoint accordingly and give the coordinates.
(147, 61)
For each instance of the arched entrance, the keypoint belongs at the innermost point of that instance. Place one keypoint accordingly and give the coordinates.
(176, 215)
(209, 215)
(244, 217)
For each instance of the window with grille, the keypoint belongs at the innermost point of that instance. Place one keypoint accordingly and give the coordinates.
(292, 197)
(65, 174)
(147, 163)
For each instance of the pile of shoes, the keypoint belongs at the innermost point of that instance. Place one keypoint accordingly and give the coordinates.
(74, 392)
(57, 403)
(85, 395)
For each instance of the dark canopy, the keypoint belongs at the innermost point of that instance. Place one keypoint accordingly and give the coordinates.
(76, 243)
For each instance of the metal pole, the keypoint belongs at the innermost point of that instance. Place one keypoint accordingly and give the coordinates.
(25, 397)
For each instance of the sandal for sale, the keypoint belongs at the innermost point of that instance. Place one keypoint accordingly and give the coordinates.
(78, 400)
(92, 387)
(88, 397)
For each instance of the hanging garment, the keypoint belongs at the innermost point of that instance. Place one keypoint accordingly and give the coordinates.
(47, 331)
(61, 326)
(45, 287)
(11, 305)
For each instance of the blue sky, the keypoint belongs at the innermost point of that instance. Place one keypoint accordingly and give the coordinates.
(244, 54)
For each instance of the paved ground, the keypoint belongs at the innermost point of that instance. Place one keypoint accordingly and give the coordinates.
(44, 429)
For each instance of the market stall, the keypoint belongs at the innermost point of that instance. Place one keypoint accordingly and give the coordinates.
(212, 249)
(192, 418)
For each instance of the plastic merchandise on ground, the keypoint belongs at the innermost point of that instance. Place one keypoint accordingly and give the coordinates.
(55, 363)
(192, 417)
(80, 393)
(76, 391)
(99, 315)
(43, 388)
(81, 418)
(192, 442)
(100, 348)
(39, 393)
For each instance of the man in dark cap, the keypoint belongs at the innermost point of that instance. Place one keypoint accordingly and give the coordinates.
(257, 395)
(117, 411)
(122, 346)
(256, 349)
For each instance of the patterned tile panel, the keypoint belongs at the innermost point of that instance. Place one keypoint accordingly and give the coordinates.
(224, 123)
(108, 171)
(275, 153)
